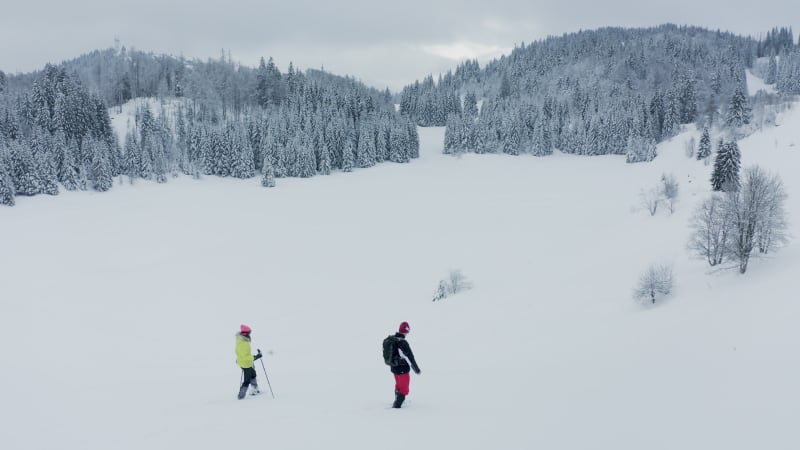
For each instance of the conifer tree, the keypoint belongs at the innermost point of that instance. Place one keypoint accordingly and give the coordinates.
(727, 163)
(772, 71)
(704, 149)
(262, 84)
(101, 170)
(325, 159)
(268, 180)
(366, 146)
(24, 173)
(738, 110)
(348, 157)
(7, 188)
(470, 106)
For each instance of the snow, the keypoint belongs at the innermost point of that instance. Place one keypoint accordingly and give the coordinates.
(118, 310)
(755, 84)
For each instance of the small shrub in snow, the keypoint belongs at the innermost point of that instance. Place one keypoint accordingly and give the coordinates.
(452, 285)
(657, 279)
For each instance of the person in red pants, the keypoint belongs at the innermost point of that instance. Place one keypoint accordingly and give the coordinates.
(393, 345)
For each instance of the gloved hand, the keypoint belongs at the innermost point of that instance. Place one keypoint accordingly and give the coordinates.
(257, 355)
(417, 371)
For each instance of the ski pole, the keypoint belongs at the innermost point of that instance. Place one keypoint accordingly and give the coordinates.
(267, 377)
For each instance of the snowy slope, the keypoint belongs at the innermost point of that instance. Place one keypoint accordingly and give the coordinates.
(118, 311)
(756, 83)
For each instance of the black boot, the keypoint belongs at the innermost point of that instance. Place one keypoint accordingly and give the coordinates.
(398, 400)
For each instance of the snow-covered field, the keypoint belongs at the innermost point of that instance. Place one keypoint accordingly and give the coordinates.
(118, 311)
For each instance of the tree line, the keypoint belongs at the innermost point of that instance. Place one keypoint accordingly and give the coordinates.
(214, 118)
(608, 91)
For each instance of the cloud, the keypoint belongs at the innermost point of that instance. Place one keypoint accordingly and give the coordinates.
(461, 50)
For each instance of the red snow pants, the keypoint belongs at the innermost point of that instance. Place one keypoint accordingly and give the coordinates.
(401, 382)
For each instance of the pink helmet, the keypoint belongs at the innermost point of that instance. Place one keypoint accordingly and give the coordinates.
(245, 329)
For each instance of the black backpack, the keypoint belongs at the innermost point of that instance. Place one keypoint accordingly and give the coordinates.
(389, 350)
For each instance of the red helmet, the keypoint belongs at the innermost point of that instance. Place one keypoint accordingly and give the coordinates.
(405, 328)
(245, 329)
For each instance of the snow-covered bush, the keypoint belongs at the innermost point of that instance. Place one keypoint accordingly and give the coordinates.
(456, 282)
(657, 279)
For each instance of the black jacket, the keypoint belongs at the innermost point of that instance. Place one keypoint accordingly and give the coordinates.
(399, 364)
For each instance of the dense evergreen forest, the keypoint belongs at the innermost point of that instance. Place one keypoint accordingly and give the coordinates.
(609, 91)
(221, 119)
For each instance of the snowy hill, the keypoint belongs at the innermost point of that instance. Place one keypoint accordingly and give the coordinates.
(119, 310)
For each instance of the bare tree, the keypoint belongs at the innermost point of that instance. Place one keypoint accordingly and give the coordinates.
(669, 191)
(772, 224)
(657, 279)
(711, 227)
(650, 200)
(757, 215)
(458, 282)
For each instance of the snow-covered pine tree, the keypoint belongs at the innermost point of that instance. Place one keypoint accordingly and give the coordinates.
(479, 131)
(42, 147)
(24, 173)
(739, 111)
(101, 171)
(242, 155)
(704, 149)
(470, 106)
(772, 70)
(262, 89)
(413, 137)
(687, 99)
(451, 138)
(7, 188)
(324, 159)
(727, 164)
(399, 145)
(268, 180)
(306, 164)
(512, 138)
(366, 146)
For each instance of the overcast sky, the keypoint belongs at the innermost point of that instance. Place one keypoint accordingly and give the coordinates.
(382, 43)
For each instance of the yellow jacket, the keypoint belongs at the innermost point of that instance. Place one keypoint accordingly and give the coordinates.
(244, 356)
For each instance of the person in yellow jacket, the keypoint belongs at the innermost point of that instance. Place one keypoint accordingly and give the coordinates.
(245, 359)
